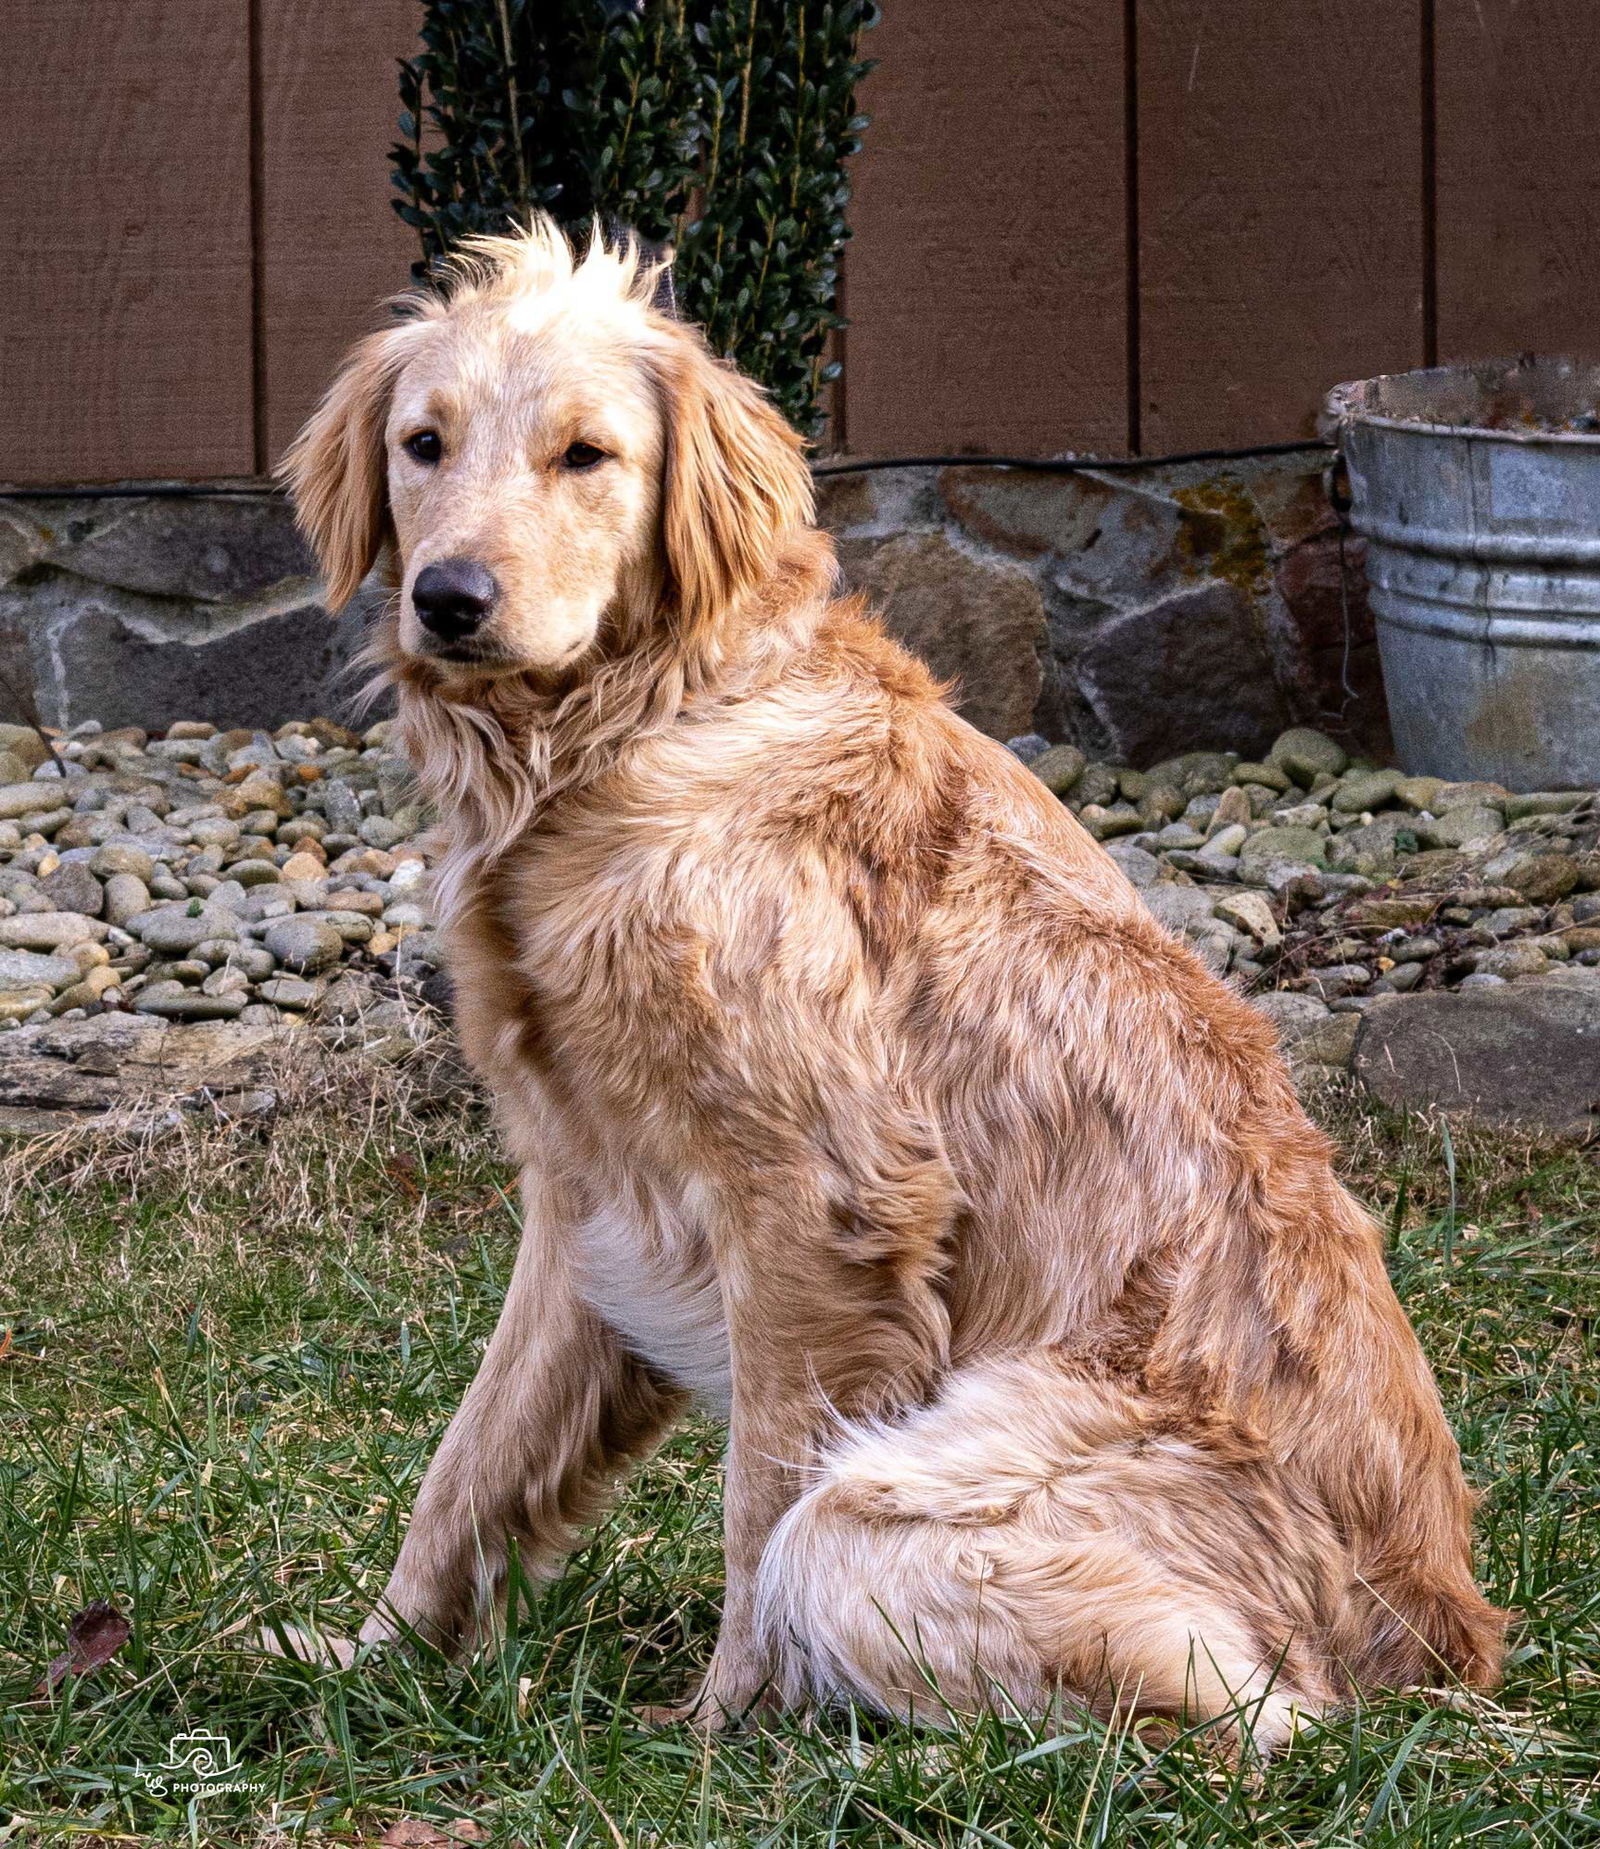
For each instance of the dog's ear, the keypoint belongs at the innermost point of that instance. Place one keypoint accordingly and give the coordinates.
(335, 467)
(736, 484)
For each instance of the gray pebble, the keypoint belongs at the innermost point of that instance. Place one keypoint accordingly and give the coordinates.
(122, 857)
(173, 931)
(379, 832)
(184, 969)
(263, 902)
(255, 960)
(73, 888)
(303, 944)
(1416, 950)
(353, 927)
(254, 873)
(1028, 747)
(340, 805)
(1338, 979)
(214, 950)
(22, 970)
(1141, 868)
(174, 1002)
(290, 992)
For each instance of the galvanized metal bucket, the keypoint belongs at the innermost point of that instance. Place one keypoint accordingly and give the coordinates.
(1477, 489)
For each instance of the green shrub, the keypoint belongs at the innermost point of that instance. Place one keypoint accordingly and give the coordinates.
(721, 130)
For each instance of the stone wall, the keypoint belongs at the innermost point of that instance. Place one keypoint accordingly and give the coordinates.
(144, 610)
(1136, 615)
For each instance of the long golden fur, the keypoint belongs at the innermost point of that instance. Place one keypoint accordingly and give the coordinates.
(855, 1091)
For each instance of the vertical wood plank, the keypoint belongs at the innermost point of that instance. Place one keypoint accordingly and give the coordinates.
(331, 247)
(987, 267)
(1518, 190)
(1280, 206)
(125, 194)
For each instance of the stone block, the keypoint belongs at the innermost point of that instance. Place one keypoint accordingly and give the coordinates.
(150, 610)
(976, 622)
(1526, 1054)
(212, 549)
(1188, 670)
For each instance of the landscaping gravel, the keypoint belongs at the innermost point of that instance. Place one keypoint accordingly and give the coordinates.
(282, 878)
(209, 875)
(1325, 886)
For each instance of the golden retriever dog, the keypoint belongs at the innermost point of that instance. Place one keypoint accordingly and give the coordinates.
(854, 1092)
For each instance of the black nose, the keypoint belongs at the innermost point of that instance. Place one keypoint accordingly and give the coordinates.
(453, 597)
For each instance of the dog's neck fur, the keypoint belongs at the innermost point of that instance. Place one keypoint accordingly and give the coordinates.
(496, 754)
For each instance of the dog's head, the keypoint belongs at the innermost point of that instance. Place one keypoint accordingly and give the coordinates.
(553, 462)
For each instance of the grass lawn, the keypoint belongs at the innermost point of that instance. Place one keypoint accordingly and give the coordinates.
(233, 1354)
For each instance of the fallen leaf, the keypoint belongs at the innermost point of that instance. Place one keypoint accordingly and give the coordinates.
(94, 1636)
(5, 1345)
(415, 1833)
(400, 1169)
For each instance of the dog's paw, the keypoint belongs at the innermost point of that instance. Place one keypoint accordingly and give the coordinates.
(321, 1649)
(711, 1710)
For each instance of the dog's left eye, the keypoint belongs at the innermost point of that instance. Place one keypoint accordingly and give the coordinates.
(581, 456)
(424, 446)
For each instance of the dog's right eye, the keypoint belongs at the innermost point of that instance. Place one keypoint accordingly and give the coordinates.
(424, 446)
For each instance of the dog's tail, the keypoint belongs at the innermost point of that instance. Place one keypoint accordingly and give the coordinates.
(1037, 1536)
(1287, 1323)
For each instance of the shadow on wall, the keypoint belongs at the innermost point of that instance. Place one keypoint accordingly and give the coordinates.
(1137, 617)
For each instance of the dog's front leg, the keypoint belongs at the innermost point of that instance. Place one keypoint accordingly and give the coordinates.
(830, 1285)
(555, 1412)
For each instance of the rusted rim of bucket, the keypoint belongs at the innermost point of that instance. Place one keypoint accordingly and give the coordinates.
(1352, 402)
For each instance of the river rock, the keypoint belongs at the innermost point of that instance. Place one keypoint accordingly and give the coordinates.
(1307, 754)
(1542, 879)
(1301, 845)
(174, 930)
(1328, 1044)
(73, 888)
(305, 945)
(1466, 826)
(1365, 790)
(1058, 768)
(20, 799)
(1251, 913)
(1511, 961)
(23, 971)
(126, 896)
(174, 1001)
(1292, 1013)
(48, 930)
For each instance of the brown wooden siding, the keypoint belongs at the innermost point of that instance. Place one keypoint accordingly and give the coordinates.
(1098, 225)
(1518, 175)
(1280, 218)
(987, 276)
(125, 202)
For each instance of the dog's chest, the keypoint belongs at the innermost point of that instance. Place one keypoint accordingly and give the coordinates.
(648, 1273)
